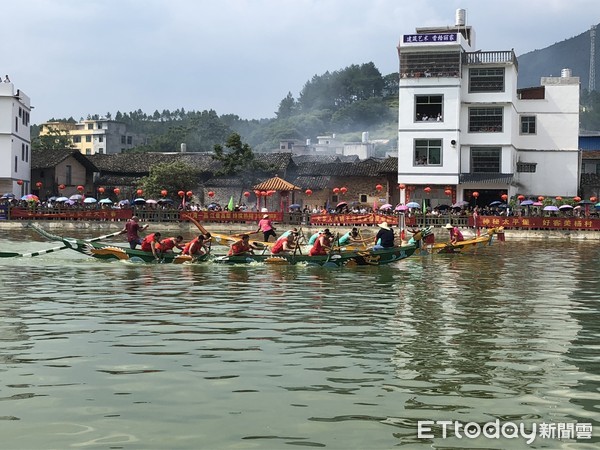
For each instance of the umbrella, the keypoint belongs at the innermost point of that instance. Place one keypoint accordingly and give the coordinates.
(550, 208)
(565, 207)
(295, 205)
(124, 202)
(30, 198)
(502, 206)
(151, 202)
(442, 207)
(165, 200)
(53, 198)
(106, 201)
(526, 202)
(76, 197)
(597, 205)
(497, 202)
(413, 205)
(401, 208)
(70, 202)
(386, 206)
(139, 201)
(212, 206)
(8, 195)
(584, 202)
(90, 200)
(342, 204)
(62, 199)
(537, 204)
(460, 204)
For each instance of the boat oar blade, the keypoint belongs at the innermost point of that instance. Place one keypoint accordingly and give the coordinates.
(9, 254)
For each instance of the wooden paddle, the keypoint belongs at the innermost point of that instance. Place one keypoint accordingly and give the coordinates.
(336, 238)
(54, 249)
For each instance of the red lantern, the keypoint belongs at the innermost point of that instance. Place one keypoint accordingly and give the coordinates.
(270, 193)
(379, 188)
(139, 192)
(257, 193)
(336, 190)
(558, 197)
(343, 190)
(117, 191)
(475, 194)
(264, 193)
(39, 184)
(246, 194)
(308, 192)
(448, 192)
(211, 194)
(80, 188)
(593, 199)
(504, 197)
(401, 186)
(521, 197)
(576, 199)
(182, 193)
(189, 193)
(20, 182)
(100, 189)
(427, 189)
(61, 186)
(164, 192)
(540, 198)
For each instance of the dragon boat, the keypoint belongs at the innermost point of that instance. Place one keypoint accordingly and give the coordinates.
(465, 246)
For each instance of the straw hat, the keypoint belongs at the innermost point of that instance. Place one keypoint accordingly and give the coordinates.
(266, 216)
(449, 226)
(384, 225)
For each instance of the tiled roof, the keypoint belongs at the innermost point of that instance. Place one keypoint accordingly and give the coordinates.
(590, 154)
(314, 183)
(276, 184)
(44, 159)
(280, 162)
(303, 159)
(488, 178)
(139, 163)
(366, 168)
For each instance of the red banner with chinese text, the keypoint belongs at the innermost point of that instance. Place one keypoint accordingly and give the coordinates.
(543, 223)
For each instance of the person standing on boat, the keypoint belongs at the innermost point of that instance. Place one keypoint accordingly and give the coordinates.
(151, 244)
(322, 245)
(266, 226)
(132, 228)
(196, 247)
(455, 234)
(241, 247)
(384, 237)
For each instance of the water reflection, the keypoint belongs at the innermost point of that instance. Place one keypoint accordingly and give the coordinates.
(215, 356)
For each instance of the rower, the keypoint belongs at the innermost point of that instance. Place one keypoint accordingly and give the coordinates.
(149, 244)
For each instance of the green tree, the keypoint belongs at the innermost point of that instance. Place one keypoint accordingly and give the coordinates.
(239, 160)
(173, 176)
(55, 139)
(287, 107)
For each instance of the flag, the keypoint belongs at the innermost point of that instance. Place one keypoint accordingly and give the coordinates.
(230, 205)
(424, 207)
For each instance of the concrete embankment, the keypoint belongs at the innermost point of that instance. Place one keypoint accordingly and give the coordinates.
(186, 229)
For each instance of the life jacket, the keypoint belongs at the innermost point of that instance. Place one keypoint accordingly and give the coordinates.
(147, 242)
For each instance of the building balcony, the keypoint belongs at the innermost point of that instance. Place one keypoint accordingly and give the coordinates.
(501, 57)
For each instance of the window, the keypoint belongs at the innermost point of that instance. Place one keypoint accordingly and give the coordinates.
(90, 126)
(100, 138)
(88, 139)
(527, 124)
(486, 80)
(122, 139)
(430, 64)
(526, 167)
(428, 152)
(485, 120)
(363, 198)
(22, 152)
(101, 150)
(16, 124)
(88, 151)
(16, 166)
(485, 159)
(68, 174)
(428, 107)
(27, 153)
(129, 140)
(77, 139)
(335, 199)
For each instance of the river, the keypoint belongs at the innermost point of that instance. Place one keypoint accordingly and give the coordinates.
(111, 355)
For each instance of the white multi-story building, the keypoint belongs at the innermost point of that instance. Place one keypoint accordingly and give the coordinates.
(91, 137)
(15, 141)
(464, 127)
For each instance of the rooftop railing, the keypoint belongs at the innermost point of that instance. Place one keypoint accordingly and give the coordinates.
(500, 57)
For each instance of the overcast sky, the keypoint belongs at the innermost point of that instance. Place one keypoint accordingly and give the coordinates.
(75, 58)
